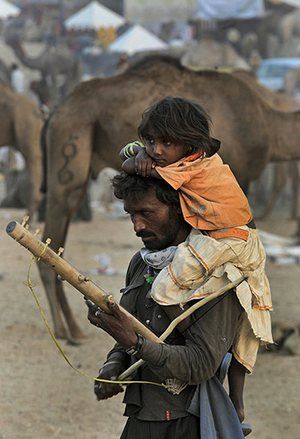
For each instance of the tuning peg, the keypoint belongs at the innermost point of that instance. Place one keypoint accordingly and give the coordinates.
(48, 241)
(60, 251)
(36, 232)
(25, 220)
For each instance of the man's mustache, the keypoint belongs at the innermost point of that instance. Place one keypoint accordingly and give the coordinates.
(144, 235)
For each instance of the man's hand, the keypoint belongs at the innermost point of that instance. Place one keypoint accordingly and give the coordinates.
(117, 324)
(144, 163)
(108, 372)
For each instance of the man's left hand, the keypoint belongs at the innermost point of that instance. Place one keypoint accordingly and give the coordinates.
(117, 324)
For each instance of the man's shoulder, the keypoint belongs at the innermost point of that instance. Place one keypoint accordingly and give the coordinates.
(136, 259)
(135, 267)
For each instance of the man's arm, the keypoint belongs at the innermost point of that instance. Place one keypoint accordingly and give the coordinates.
(208, 339)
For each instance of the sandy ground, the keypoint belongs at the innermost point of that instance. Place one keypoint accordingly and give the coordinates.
(42, 397)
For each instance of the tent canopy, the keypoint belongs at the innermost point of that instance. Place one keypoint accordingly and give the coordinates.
(137, 39)
(7, 9)
(94, 16)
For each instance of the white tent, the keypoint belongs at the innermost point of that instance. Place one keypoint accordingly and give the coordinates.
(137, 39)
(94, 16)
(7, 9)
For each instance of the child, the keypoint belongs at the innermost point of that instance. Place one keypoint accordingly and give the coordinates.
(177, 147)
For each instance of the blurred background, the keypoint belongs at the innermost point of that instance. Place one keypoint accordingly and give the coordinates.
(48, 47)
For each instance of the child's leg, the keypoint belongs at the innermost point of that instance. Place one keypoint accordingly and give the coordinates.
(236, 381)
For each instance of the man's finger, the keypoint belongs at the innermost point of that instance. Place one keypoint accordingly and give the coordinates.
(114, 308)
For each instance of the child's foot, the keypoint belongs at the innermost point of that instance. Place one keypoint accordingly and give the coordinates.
(246, 429)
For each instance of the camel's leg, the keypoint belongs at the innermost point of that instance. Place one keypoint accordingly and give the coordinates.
(57, 222)
(66, 186)
(35, 181)
(28, 143)
(55, 227)
(279, 181)
(74, 329)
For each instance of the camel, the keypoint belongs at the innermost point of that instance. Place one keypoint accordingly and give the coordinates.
(53, 61)
(208, 53)
(86, 132)
(20, 126)
(282, 171)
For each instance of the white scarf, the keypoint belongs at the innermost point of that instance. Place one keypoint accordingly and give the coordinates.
(158, 259)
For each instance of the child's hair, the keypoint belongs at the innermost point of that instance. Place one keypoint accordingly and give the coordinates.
(179, 121)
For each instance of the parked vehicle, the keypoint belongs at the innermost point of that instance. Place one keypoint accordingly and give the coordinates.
(271, 72)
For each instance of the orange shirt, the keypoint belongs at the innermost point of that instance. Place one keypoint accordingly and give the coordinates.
(210, 196)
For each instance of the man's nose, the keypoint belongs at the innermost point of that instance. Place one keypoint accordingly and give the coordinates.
(138, 224)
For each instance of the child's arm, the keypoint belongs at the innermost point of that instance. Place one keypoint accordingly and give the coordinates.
(137, 161)
(131, 150)
(128, 166)
(144, 165)
(145, 170)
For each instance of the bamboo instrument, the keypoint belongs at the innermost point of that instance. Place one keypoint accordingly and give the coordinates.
(67, 272)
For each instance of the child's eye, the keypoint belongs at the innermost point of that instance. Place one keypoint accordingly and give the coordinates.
(167, 143)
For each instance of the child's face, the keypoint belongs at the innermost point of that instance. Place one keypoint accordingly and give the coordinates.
(164, 152)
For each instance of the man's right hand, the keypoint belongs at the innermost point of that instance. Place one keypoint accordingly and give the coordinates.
(107, 390)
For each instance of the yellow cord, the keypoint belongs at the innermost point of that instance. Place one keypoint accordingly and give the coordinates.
(57, 344)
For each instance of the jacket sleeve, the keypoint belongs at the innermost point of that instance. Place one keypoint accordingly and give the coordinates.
(207, 340)
(118, 354)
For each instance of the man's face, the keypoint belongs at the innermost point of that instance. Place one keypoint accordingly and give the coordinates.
(157, 224)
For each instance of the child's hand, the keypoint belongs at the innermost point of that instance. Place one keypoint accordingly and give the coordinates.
(144, 164)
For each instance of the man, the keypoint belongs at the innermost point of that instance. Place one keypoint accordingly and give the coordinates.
(192, 354)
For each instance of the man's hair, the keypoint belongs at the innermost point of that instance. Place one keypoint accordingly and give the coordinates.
(180, 121)
(133, 188)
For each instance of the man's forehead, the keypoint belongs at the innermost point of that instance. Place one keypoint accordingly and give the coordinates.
(144, 200)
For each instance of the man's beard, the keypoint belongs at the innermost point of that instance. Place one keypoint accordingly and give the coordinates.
(170, 234)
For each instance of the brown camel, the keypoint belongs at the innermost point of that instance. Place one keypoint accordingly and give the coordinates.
(279, 101)
(20, 126)
(87, 131)
(282, 171)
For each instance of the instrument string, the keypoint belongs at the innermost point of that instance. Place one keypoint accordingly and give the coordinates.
(30, 285)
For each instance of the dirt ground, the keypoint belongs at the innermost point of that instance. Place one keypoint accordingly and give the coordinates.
(42, 397)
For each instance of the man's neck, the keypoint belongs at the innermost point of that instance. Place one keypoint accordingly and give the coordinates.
(182, 234)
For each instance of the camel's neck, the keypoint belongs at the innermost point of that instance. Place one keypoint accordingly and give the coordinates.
(284, 129)
(31, 63)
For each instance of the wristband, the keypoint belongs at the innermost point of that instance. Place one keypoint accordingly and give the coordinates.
(128, 150)
(133, 350)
